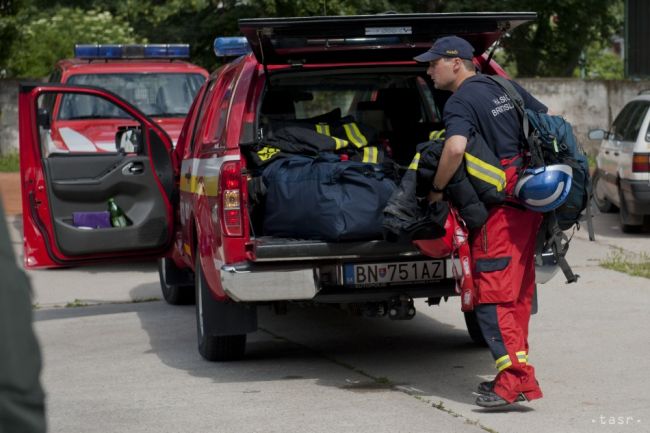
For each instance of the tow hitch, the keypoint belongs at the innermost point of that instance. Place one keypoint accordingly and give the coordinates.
(401, 308)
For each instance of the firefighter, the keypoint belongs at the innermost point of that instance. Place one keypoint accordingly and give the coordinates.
(503, 248)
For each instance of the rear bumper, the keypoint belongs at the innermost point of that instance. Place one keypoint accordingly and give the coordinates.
(245, 282)
(636, 194)
(254, 282)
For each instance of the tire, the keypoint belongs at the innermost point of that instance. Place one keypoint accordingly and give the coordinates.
(626, 218)
(603, 205)
(213, 347)
(473, 329)
(173, 292)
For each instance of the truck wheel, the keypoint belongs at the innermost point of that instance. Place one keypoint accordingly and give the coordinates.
(473, 329)
(215, 347)
(176, 284)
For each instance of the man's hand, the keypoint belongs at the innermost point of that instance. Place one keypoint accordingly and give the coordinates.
(434, 197)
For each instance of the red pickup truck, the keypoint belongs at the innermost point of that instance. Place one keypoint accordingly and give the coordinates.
(157, 79)
(192, 206)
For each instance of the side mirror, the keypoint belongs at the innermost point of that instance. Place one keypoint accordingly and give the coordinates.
(597, 134)
(128, 140)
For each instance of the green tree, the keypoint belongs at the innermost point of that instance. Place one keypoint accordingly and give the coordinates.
(551, 45)
(44, 37)
(602, 63)
(8, 30)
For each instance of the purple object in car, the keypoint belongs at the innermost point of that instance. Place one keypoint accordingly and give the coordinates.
(94, 220)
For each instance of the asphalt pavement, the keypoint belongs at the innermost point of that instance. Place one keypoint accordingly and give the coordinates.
(124, 365)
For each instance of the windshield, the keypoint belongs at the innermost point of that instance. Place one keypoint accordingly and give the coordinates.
(156, 95)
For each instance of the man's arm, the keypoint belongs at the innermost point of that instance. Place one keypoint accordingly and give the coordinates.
(450, 160)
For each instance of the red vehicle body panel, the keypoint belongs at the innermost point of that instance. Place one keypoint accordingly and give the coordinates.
(38, 225)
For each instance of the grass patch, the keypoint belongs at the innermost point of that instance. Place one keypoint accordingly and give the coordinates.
(591, 160)
(637, 265)
(9, 162)
(75, 304)
(139, 300)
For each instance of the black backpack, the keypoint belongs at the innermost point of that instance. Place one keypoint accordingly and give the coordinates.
(550, 140)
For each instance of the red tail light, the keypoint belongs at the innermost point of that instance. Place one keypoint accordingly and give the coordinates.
(231, 200)
(641, 162)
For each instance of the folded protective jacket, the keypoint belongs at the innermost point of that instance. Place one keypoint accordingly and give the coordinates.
(408, 210)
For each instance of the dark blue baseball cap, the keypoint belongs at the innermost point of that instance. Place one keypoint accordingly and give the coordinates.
(449, 46)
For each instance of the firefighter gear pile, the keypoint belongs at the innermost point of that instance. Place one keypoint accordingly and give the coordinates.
(324, 178)
(351, 140)
(325, 198)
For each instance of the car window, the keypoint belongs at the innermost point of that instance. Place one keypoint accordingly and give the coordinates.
(621, 121)
(628, 122)
(155, 94)
(199, 113)
(62, 136)
(315, 102)
(218, 108)
(636, 119)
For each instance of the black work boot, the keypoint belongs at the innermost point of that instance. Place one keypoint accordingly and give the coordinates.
(494, 400)
(486, 387)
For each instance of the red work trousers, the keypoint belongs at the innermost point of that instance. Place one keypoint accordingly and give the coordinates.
(504, 273)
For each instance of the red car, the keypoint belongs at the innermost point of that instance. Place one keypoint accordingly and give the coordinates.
(193, 207)
(154, 78)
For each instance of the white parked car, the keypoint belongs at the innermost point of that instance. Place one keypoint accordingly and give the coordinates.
(622, 178)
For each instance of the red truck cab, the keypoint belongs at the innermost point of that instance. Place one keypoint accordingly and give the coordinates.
(156, 79)
(194, 205)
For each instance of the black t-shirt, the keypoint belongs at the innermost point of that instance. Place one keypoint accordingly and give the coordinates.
(483, 106)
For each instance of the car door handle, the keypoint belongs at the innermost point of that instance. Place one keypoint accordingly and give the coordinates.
(133, 168)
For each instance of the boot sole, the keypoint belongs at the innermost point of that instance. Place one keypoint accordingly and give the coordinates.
(501, 403)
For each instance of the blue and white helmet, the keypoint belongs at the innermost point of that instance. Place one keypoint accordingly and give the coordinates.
(544, 189)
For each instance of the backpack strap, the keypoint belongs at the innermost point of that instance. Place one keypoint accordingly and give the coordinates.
(535, 149)
(559, 243)
(515, 97)
(590, 222)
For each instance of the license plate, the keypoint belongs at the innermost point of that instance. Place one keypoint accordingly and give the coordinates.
(380, 274)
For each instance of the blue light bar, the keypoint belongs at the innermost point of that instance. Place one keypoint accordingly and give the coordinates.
(142, 51)
(233, 46)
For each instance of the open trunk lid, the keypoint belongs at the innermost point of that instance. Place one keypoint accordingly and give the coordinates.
(370, 38)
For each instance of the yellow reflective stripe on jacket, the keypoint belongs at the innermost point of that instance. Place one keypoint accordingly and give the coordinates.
(434, 135)
(486, 172)
(354, 135)
(323, 128)
(415, 162)
(503, 362)
(522, 357)
(370, 154)
(340, 143)
(267, 152)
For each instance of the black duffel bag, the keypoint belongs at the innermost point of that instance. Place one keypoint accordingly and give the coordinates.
(325, 198)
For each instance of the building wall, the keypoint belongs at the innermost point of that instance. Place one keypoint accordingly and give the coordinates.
(8, 116)
(586, 104)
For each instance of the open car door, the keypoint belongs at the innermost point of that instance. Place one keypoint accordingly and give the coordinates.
(79, 148)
